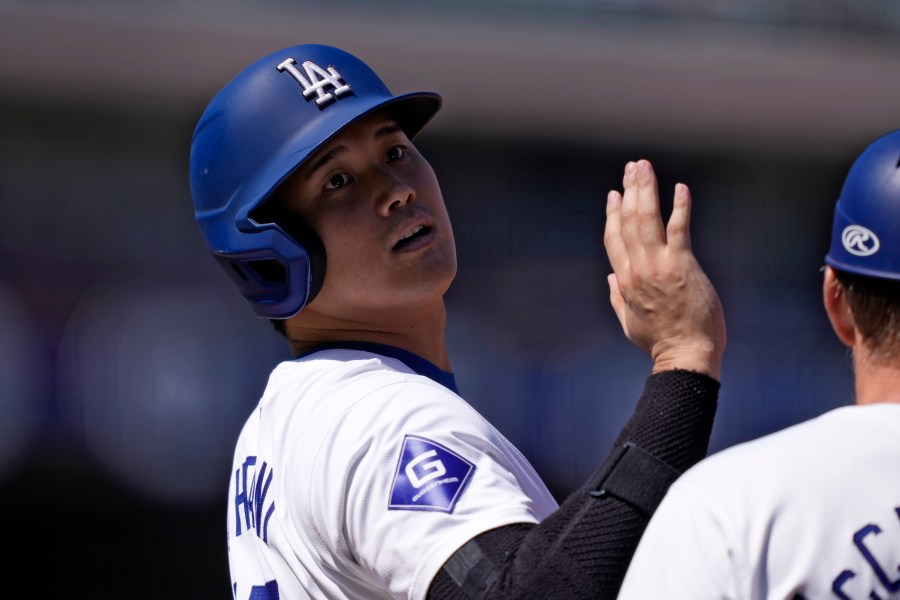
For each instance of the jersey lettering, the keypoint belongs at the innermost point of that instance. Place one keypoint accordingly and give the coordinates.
(428, 476)
(839, 581)
(266, 592)
(317, 81)
(892, 585)
(269, 591)
(866, 547)
(251, 488)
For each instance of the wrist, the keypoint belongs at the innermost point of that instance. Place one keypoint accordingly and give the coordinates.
(700, 356)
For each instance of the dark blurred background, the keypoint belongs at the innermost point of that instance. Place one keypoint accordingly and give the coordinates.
(128, 364)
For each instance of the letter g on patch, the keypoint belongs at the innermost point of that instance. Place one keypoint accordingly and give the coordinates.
(429, 476)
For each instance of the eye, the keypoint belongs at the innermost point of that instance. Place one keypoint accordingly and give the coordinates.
(338, 180)
(396, 153)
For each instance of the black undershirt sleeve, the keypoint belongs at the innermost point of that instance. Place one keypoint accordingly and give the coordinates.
(582, 550)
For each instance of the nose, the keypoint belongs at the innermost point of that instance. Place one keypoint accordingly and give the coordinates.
(394, 192)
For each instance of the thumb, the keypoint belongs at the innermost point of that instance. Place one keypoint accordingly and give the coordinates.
(616, 300)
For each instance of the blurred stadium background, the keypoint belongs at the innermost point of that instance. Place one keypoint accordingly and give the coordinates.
(127, 363)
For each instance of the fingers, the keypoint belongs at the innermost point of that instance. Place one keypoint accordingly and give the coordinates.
(617, 302)
(615, 296)
(678, 230)
(627, 222)
(634, 233)
(649, 222)
(612, 236)
(640, 222)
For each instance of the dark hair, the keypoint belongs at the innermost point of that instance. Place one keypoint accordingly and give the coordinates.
(875, 304)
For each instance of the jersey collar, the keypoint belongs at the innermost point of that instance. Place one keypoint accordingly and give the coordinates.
(413, 361)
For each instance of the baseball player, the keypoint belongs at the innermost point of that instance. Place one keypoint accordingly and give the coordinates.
(363, 473)
(812, 511)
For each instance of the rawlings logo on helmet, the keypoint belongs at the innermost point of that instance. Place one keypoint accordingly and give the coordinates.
(318, 80)
(860, 241)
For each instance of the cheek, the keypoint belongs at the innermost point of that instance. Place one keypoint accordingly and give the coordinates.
(348, 249)
(340, 245)
(440, 213)
(429, 191)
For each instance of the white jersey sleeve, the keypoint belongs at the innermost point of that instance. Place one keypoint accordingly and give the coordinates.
(358, 478)
(809, 512)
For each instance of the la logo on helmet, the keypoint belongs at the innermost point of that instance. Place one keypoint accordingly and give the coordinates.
(316, 81)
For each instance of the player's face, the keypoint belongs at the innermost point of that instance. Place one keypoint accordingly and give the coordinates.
(376, 204)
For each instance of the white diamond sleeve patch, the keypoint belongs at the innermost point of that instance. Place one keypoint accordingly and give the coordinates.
(429, 476)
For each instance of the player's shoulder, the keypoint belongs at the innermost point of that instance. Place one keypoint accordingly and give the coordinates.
(788, 453)
(372, 380)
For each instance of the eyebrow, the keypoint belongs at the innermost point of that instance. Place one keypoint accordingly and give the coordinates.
(338, 150)
(324, 160)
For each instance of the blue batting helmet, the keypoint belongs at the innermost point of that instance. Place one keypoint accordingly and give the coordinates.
(254, 133)
(865, 238)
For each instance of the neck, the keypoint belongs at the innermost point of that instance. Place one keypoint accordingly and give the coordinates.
(875, 380)
(420, 331)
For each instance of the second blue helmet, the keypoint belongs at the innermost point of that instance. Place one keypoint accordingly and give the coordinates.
(865, 237)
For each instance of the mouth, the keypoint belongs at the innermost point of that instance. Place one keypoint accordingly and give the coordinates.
(412, 236)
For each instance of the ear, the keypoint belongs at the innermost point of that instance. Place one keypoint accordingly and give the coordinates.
(837, 309)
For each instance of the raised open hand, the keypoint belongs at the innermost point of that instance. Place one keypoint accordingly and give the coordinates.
(663, 299)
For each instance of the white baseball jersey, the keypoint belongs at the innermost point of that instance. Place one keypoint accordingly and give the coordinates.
(359, 474)
(811, 512)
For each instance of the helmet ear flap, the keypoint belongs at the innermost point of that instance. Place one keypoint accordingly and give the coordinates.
(300, 231)
(303, 235)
